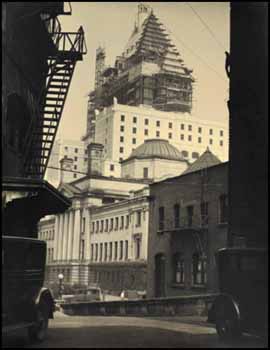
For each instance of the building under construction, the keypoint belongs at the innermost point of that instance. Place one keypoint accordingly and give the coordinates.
(149, 72)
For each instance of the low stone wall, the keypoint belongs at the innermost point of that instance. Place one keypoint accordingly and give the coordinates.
(183, 305)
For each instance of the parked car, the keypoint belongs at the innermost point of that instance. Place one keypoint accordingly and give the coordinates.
(242, 305)
(84, 295)
(132, 295)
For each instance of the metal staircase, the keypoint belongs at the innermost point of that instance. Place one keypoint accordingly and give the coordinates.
(70, 48)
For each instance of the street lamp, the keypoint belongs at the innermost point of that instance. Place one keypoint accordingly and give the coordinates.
(60, 278)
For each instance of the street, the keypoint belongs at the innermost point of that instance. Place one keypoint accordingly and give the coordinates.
(129, 332)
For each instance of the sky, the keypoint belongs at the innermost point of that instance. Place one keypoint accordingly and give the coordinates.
(201, 38)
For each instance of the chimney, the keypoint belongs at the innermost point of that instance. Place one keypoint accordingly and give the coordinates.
(65, 164)
(95, 156)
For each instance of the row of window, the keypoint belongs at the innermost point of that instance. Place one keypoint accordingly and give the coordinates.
(47, 235)
(109, 251)
(75, 150)
(170, 136)
(198, 269)
(187, 218)
(170, 126)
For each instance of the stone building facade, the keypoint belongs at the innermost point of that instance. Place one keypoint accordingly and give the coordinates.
(188, 224)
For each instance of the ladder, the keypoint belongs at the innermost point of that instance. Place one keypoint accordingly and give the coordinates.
(43, 128)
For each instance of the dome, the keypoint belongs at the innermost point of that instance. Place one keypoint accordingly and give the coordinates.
(156, 148)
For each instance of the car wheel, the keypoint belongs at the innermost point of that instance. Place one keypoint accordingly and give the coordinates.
(38, 332)
(227, 323)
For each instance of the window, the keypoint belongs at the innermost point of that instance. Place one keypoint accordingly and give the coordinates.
(221, 143)
(75, 158)
(146, 132)
(134, 130)
(170, 125)
(161, 218)
(134, 141)
(74, 176)
(199, 130)
(121, 138)
(115, 250)
(127, 221)
(116, 223)
(100, 251)
(121, 150)
(134, 119)
(137, 248)
(178, 264)
(170, 135)
(111, 226)
(198, 269)
(75, 167)
(157, 133)
(66, 148)
(97, 226)
(145, 173)
(112, 167)
(92, 252)
(106, 225)
(101, 225)
(120, 159)
(96, 252)
(182, 137)
(190, 128)
(110, 251)
(185, 153)
(76, 150)
(189, 215)
(82, 249)
(138, 218)
(204, 213)
(126, 250)
(189, 138)
(195, 155)
(83, 224)
(210, 131)
(221, 133)
(146, 121)
(210, 141)
(122, 128)
(223, 208)
(85, 151)
(199, 140)
(93, 227)
(158, 123)
(105, 251)
(176, 210)
(122, 118)
(122, 223)
(121, 250)
(182, 126)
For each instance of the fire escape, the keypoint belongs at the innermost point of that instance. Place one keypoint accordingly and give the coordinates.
(69, 48)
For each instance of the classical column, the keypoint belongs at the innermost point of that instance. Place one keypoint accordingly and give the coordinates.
(65, 239)
(87, 236)
(56, 237)
(70, 235)
(60, 235)
(76, 239)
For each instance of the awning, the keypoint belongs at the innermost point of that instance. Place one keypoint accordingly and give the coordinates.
(47, 198)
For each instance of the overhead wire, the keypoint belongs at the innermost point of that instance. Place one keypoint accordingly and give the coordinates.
(206, 26)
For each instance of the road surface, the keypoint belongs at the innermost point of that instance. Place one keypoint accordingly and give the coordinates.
(128, 332)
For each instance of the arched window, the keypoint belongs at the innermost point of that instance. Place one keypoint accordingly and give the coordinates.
(198, 269)
(178, 268)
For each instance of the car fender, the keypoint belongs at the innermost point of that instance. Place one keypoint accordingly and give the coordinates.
(224, 298)
(45, 295)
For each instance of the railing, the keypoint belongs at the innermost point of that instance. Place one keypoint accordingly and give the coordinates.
(185, 223)
(71, 42)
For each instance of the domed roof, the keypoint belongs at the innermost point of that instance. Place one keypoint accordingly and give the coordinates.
(156, 148)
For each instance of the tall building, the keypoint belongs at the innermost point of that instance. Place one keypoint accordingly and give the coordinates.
(150, 71)
(147, 94)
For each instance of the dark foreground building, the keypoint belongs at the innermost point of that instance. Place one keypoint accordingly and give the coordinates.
(248, 106)
(38, 64)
